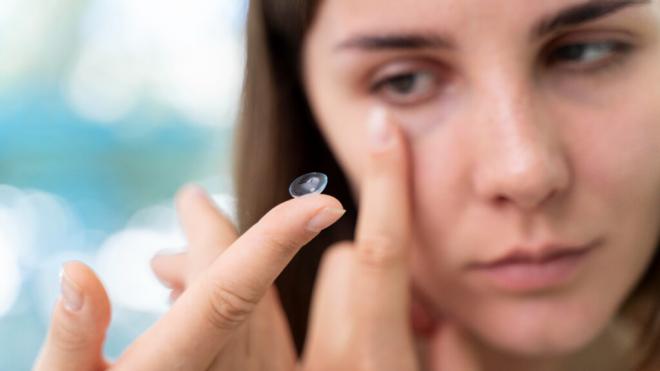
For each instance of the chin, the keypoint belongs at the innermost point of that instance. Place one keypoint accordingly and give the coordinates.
(538, 328)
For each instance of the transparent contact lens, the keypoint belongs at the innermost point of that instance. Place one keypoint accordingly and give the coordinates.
(308, 183)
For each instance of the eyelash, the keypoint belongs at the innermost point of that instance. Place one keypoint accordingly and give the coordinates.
(615, 50)
(388, 83)
(615, 53)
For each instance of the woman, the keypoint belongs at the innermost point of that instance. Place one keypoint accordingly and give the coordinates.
(504, 157)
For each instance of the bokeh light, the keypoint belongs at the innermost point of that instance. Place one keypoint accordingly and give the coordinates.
(107, 107)
(187, 57)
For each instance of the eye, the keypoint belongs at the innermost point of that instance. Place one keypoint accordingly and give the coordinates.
(588, 55)
(407, 88)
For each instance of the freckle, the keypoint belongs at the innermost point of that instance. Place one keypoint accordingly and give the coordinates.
(308, 184)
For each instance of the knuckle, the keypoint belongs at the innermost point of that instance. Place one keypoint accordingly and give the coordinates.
(228, 309)
(379, 251)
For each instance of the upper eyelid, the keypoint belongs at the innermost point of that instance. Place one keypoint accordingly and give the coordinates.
(414, 64)
(589, 43)
(617, 47)
(402, 67)
(378, 82)
(591, 36)
(405, 63)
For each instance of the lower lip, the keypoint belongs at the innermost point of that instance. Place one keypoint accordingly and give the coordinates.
(527, 277)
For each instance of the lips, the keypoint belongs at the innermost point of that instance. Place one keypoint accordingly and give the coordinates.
(527, 269)
(535, 255)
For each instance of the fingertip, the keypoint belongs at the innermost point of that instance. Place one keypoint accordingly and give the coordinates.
(169, 267)
(330, 201)
(387, 144)
(315, 201)
(200, 215)
(317, 211)
(188, 193)
(166, 257)
(380, 130)
(80, 283)
(79, 273)
(79, 322)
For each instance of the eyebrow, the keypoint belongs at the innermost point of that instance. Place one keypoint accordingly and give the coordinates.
(582, 13)
(571, 16)
(397, 41)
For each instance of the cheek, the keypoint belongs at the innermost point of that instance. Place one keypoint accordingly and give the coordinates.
(443, 195)
(619, 185)
(440, 194)
(619, 155)
(615, 193)
(616, 146)
(618, 175)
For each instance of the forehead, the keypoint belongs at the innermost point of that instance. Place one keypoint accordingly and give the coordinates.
(446, 14)
(456, 18)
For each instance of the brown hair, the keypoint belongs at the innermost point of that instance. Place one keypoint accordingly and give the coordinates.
(277, 140)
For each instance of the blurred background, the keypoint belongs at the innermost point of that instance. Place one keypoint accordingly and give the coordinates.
(107, 107)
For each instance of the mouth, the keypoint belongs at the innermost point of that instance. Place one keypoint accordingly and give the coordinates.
(526, 269)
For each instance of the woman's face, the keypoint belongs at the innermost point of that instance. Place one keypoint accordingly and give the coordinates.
(530, 123)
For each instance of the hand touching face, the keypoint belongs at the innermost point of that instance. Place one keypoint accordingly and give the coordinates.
(533, 127)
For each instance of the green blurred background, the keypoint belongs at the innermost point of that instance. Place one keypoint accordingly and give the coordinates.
(107, 107)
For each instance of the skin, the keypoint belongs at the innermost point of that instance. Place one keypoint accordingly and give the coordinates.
(226, 315)
(511, 143)
(508, 150)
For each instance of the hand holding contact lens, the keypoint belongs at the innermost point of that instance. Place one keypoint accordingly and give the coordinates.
(308, 184)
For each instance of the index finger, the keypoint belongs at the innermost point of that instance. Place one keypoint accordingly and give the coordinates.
(384, 195)
(384, 229)
(201, 321)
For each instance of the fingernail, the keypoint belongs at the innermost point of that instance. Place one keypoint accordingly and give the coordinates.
(380, 132)
(325, 218)
(72, 297)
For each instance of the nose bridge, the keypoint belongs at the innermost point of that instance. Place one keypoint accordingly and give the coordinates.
(520, 158)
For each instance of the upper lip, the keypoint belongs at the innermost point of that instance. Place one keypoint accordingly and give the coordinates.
(535, 254)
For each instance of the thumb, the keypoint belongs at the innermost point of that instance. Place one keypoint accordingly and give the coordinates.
(79, 323)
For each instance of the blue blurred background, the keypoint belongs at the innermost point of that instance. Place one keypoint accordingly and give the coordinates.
(107, 107)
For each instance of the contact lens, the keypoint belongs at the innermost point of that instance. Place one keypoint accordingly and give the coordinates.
(307, 184)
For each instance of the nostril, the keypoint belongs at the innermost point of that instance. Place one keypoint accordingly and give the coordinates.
(532, 201)
(501, 200)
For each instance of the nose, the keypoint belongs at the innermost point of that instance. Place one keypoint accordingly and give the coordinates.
(520, 160)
